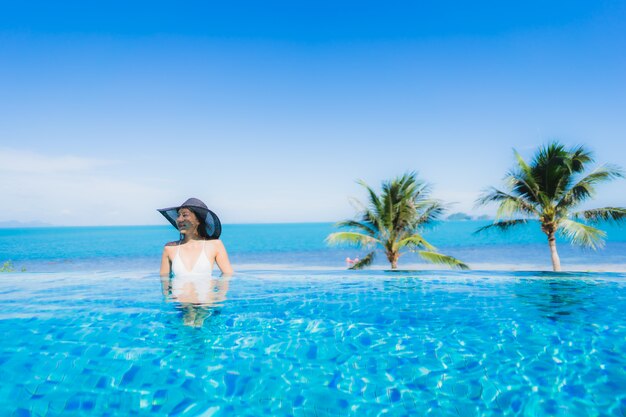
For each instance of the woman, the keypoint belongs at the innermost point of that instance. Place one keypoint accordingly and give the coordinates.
(189, 261)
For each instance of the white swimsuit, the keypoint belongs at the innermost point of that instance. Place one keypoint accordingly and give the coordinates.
(195, 284)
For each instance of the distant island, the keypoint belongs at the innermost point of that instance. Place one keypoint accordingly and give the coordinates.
(16, 224)
(464, 216)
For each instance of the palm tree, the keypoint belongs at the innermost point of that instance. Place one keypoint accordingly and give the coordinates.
(393, 221)
(549, 189)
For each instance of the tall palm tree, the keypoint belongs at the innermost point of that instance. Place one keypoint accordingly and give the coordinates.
(548, 189)
(393, 221)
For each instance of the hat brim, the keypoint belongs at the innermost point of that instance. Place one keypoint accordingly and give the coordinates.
(213, 226)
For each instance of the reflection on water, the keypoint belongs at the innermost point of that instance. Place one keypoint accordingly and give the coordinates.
(558, 299)
(197, 298)
(194, 315)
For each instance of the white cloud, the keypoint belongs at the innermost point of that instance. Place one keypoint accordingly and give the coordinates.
(73, 190)
(20, 161)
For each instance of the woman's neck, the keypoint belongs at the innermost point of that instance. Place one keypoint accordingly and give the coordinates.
(187, 239)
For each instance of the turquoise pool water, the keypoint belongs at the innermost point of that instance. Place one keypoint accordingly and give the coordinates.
(315, 344)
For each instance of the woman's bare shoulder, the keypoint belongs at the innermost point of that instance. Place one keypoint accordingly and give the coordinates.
(169, 245)
(216, 243)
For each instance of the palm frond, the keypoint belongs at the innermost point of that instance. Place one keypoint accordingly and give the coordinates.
(512, 203)
(432, 210)
(582, 234)
(490, 195)
(368, 216)
(374, 200)
(611, 214)
(362, 226)
(509, 204)
(524, 167)
(438, 258)
(354, 238)
(522, 186)
(365, 261)
(415, 241)
(584, 188)
(502, 225)
(522, 181)
(356, 204)
(552, 168)
(513, 206)
(579, 157)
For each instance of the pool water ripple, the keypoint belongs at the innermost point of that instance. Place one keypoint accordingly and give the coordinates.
(315, 344)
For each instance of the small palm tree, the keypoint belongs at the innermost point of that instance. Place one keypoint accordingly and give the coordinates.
(393, 221)
(548, 189)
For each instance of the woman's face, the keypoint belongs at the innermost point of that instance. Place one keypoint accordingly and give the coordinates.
(187, 221)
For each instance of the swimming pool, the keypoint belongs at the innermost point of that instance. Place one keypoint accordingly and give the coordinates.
(307, 343)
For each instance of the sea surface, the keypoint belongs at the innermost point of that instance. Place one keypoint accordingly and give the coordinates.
(297, 245)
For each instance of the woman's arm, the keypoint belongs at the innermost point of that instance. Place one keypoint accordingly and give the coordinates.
(166, 265)
(221, 288)
(221, 257)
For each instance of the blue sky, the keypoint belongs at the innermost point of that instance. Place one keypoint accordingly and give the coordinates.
(269, 111)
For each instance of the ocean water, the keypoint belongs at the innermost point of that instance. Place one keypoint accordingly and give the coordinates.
(315, 343)
(272, 246)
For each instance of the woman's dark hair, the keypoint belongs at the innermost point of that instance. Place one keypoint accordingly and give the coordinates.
(201, 226)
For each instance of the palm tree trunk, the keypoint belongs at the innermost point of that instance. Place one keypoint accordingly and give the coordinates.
(556, 262)
(393, 259)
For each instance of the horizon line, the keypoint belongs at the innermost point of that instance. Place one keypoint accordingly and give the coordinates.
(51, 226)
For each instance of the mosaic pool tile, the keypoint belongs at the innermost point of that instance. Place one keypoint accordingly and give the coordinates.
(316, 344)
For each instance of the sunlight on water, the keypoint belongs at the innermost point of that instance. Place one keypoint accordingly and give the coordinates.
(315, 343)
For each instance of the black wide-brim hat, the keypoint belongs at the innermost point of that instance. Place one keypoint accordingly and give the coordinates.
(212, 223)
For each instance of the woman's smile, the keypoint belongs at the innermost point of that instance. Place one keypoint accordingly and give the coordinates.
(184, 225)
